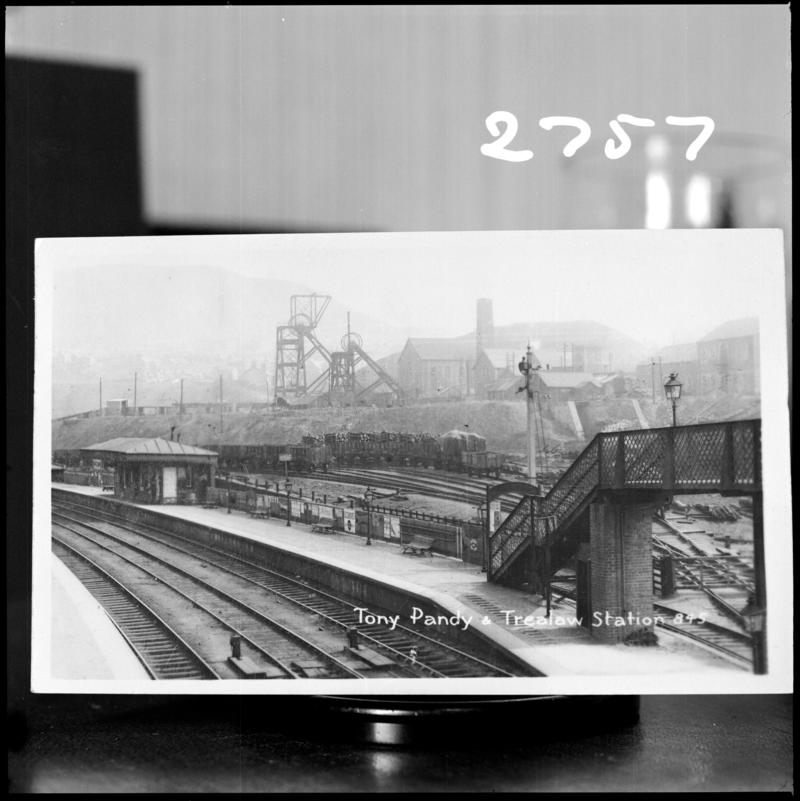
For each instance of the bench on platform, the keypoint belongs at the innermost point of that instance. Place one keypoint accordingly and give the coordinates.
(108, 488)
(324, 526)
(263, 513)
(419, 546)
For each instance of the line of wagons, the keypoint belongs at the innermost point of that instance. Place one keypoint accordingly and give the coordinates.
(455, 451)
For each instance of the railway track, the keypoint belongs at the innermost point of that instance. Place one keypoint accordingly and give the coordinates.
(430, 658)
(385, 479)
(727, 568)
(450, 489)
(734, 644)
(712, 575)
(163, 653)
(278, 651)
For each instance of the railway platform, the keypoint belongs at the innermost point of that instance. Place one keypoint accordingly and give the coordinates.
(85, 644)
(512, 619)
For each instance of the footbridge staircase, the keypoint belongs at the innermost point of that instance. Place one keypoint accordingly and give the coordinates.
(544, 532)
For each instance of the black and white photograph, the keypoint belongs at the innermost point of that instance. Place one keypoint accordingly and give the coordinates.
(269, 462)
(399, 398)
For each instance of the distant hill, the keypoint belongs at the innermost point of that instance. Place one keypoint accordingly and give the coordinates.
(124, 308)
(184, 322)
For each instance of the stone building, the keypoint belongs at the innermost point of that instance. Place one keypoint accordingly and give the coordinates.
(493, 364)
(429, 368)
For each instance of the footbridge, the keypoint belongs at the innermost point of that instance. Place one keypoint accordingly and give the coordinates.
(599, 513)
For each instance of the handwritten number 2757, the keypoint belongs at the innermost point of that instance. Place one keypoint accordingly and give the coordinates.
(498, 148)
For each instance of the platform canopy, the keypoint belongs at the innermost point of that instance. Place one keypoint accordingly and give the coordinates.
(154, 449)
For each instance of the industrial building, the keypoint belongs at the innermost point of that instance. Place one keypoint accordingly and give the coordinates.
(680, 359)
(558, 385)
(729, 358)
(492, 366)
(429, 368)
(724, 360)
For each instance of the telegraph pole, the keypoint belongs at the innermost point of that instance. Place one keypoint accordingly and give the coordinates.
(527, 369)
(101, 396)
(135, 379)
(531, 434)
(180, 408)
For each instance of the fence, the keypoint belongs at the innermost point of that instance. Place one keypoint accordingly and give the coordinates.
(452, 537)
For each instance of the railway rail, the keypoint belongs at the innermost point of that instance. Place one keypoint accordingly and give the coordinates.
(163, 653)
(712, 575)
(728, 568)
(412, 652)
(733, 644)
(455, 488)
(282, 652)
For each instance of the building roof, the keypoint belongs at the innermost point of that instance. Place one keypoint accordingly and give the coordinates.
(744, 327)
(136, 446)
(501, 358)
(443, 349)
(565, 380)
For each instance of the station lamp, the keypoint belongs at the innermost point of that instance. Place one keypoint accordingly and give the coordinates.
(368, 496)
(483, 516)
(672, 389)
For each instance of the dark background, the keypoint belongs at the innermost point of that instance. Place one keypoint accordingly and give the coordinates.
(74, 167)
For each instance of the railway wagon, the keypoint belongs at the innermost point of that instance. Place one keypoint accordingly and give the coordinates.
(457, 447)
(267, 458)
(456, 451)
(349, 448)
(483, 462)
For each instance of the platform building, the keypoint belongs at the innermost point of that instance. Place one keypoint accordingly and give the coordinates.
(156, 470)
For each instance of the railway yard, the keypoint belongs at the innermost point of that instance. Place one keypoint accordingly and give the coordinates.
(209, 598)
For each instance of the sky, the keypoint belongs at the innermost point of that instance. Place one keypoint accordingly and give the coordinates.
(660, 287)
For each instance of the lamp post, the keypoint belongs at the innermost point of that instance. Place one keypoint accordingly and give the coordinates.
(527, 370)
(228, 492)
(672, 389)
(755, 619)
(483, 516)
(289, 503)
(368, 496)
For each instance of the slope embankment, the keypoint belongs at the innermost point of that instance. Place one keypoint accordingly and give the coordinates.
(502, 423)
